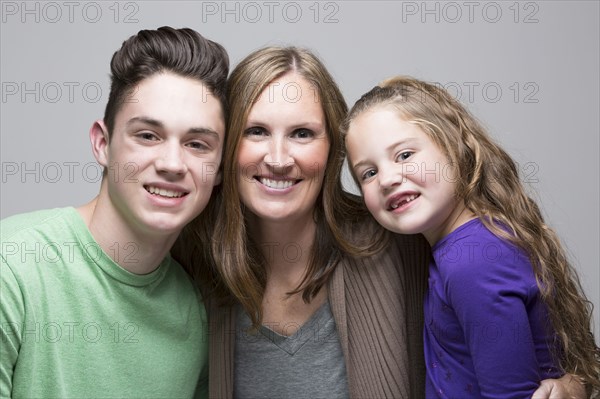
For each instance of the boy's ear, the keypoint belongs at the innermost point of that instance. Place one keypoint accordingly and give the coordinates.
(99, 140)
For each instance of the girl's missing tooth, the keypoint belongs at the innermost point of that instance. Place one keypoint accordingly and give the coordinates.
(504, 308)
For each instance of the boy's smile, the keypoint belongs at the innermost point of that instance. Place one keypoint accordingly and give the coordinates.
(164, 154)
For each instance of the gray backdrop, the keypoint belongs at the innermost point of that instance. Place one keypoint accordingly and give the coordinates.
(528, 69)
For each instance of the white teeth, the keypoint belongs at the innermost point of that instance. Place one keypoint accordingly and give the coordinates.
(404, 201)
(278, 184)
(164, 193)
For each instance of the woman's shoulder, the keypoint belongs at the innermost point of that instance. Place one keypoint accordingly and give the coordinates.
(361, 228)
(354, 221)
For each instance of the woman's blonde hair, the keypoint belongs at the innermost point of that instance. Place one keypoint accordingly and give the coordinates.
(490, 186)
(238, 261)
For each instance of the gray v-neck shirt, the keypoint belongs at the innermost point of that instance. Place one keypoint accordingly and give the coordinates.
(307, 364)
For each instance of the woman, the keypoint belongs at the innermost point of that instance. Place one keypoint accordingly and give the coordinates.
(292, 249)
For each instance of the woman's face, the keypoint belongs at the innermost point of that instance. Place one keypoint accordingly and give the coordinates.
(283, 151)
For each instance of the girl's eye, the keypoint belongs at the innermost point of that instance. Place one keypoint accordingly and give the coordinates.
(368, 174)
(303, 134)
(404, 155)
(254, 131)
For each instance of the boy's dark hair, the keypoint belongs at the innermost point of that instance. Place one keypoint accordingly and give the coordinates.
(181, 51)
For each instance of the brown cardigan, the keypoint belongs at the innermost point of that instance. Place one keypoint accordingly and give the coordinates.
(377, 304)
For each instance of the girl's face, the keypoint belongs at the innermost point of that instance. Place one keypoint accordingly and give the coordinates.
(407, 182)
(283, 151)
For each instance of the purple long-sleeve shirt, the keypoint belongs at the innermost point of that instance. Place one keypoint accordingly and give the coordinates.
(486, 327)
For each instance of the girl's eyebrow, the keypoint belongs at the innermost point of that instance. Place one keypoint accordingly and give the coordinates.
(389, 149)
(359, 164)
(405, 141)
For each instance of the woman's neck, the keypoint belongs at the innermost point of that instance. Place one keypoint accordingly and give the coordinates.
(286, 247)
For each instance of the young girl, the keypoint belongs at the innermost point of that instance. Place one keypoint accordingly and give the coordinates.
(503, 303)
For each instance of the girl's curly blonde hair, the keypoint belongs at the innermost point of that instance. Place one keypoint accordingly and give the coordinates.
(490, 186)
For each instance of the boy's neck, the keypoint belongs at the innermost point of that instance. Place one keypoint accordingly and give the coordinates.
(135, 253)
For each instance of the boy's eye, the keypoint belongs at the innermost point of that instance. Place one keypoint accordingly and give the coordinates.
(368, 174)
(197, 145)
(303, 133)
(147, 136)
(402, 156)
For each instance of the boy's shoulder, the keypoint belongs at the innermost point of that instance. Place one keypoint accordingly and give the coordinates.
(31, 221)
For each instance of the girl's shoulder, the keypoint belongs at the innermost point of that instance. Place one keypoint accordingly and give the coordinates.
(472, 251)
(475, 234)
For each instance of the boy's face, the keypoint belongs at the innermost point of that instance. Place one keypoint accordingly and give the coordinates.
(164, 154)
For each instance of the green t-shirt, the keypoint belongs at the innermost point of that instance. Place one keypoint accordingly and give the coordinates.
(74, 324)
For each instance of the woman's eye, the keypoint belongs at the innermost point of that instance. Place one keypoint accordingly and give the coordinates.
(254, 131)
(303, 134)
(404, 155)
(368, 174)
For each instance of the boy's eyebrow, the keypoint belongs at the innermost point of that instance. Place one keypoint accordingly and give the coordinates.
(146, 120)
(159, 124)
(204, 130)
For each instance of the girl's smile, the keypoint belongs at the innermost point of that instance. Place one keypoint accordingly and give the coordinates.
(407, 182)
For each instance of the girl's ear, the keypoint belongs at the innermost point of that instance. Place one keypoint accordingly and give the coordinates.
(100, 141)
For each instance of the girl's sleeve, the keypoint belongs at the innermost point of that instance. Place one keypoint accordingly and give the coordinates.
(494, 304)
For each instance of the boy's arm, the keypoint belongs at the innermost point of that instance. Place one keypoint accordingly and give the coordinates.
(11, 323)
(202, 388)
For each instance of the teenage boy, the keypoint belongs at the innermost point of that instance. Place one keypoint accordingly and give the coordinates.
(91, 302)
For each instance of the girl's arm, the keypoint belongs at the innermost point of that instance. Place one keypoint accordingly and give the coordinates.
(496, 302)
